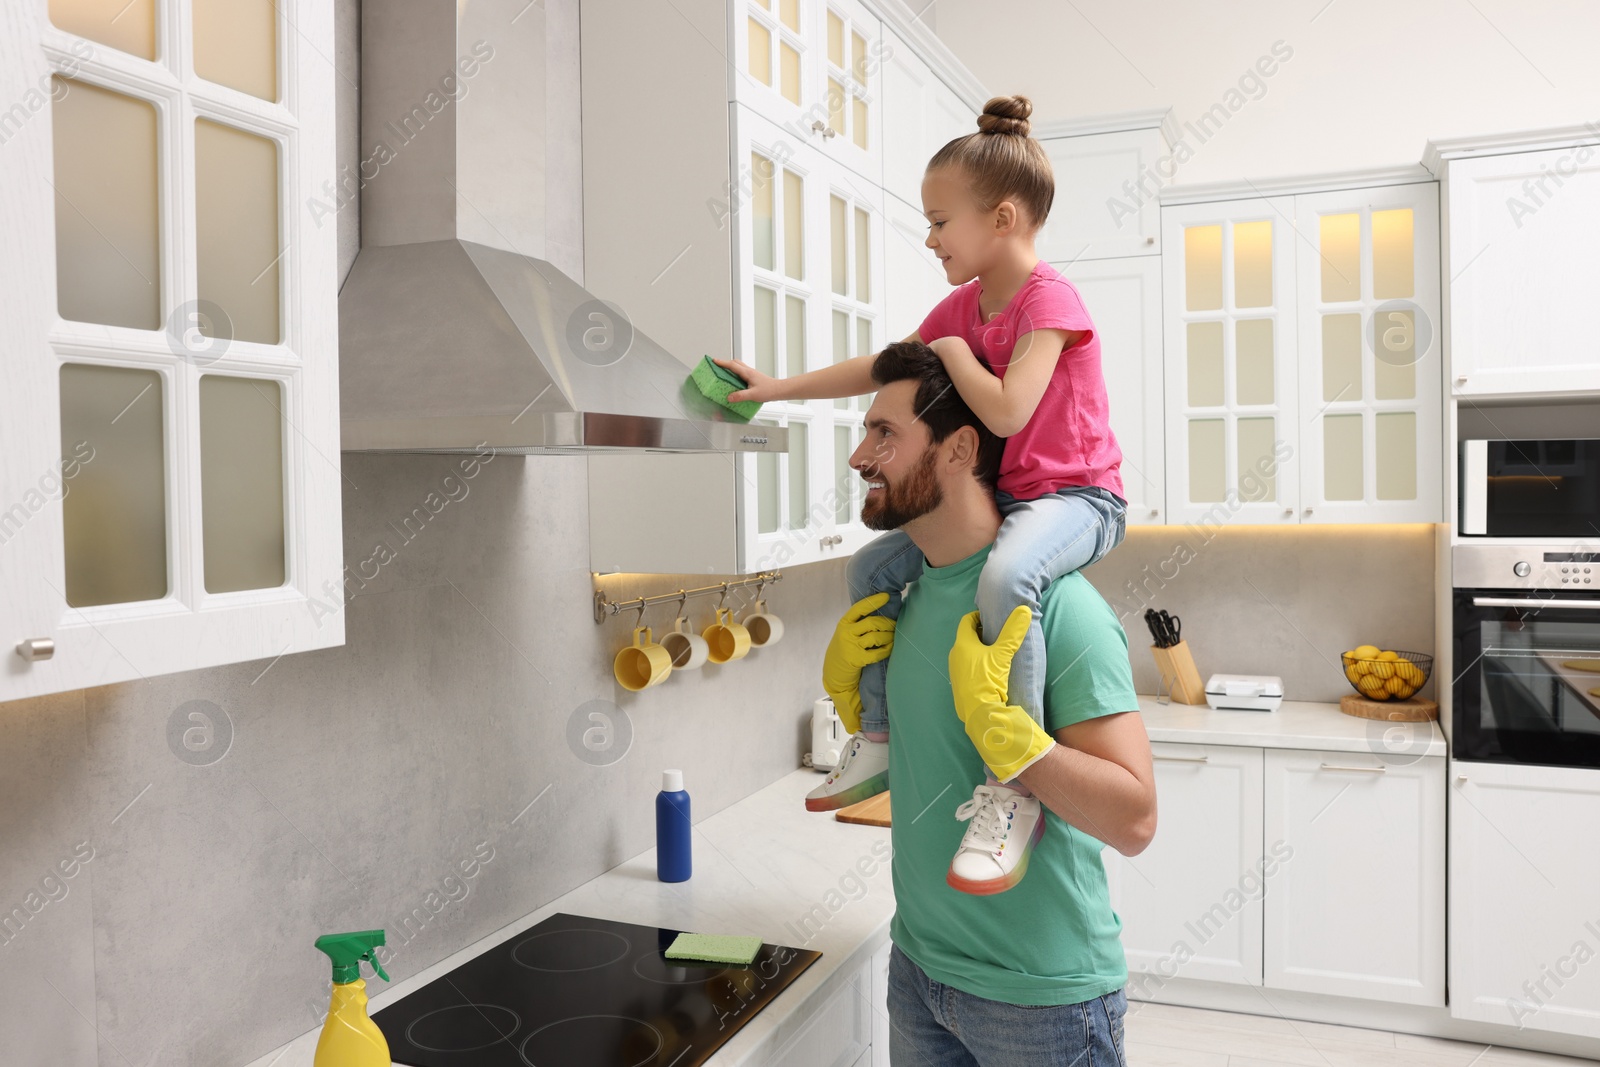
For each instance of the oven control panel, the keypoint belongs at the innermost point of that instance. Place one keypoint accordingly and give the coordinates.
(1525, 566)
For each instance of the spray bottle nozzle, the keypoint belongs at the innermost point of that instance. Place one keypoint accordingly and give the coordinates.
(348, 950)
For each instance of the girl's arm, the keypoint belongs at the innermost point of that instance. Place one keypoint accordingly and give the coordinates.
(1006, 404)
(853, 377)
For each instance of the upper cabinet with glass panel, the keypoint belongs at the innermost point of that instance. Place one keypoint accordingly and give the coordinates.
(169, 316)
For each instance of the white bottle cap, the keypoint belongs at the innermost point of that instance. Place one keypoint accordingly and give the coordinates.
(671, 781)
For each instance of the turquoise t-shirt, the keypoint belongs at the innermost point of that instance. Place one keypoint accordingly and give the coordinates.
(1053, 938)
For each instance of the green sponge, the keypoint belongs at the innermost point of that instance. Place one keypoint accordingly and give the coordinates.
(714, 948)
(715, 384)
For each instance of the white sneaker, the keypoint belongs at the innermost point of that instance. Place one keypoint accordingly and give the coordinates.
(863, 771)
(1003, 826)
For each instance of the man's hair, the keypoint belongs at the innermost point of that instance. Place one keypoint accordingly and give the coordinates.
(937, 403)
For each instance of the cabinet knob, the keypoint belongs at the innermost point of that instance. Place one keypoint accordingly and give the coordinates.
(1288, 513)
(1149, 240)
(1460, 778)
(1461, 379)
(1154, 512)
(35, 649)
(1308, 511)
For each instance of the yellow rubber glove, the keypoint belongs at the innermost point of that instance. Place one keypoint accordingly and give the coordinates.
(1007, 738)
(860, 639)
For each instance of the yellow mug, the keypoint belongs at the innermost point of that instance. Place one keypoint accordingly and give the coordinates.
(643, 663)
(728, 640)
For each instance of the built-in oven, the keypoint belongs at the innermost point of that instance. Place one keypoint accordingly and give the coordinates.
(1547, 488)
(1527, 653)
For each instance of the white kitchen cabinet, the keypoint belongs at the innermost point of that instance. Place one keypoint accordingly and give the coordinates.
(1523, 270)
(880, 1007)
(1524, 910)
(169, 448)
(921, 115)
(1356, 905)
(814, 68)
(1185, 905)
(1370, 354)
(840, 1032)
(914, 279)
(1232, 401)
(1106, 203)
(1124, 300)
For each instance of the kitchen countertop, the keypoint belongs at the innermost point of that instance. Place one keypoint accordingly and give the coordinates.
(1296, 724)
(761, 866)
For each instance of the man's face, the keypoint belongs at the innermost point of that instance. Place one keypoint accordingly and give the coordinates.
(897, 459)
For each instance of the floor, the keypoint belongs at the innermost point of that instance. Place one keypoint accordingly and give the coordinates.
(1162, 1035)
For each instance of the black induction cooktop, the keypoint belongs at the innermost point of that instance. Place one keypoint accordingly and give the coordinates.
(578, 992)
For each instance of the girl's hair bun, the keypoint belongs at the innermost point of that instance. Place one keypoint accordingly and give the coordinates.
(1006, 115)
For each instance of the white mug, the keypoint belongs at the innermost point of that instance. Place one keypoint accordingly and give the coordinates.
(688, 650)
(765, 628)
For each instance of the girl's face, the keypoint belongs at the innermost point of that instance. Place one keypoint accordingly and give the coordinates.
(967, 239)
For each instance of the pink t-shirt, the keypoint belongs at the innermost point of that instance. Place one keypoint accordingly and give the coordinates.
(1069, 440)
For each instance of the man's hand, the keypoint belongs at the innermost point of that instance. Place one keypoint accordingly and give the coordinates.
(860, 639)
(1005, 736)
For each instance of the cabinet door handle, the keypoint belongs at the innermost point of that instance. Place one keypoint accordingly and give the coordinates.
(1308, 511)
(1371, 770)
(1154, 512)
(1183, 759)
(36, 649)
(1149, 240)
(1461, 379)
(1288, 513)
(1460, 778)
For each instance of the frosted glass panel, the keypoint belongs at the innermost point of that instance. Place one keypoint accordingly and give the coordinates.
(241, 482)
(835, 40)
(108, 259)
(863, 337)
(789, 13)
(1394, 370)
(236, 229)
(1207, 462)
(858, 129)
(766, 331)
(1393, 256)
(839, 225)
(1257, 467)
(858, 58)
(236, 44)
(763, 234)
(841, 347)
(794, 326)
(114, 521)
(1341, 457)
(1341, 357)
(799, 489)
(767, 508)
(126, 25)
(1205, 364)
(836, 105)
(794, 225)
(1341, 257)
(1253, 373)
(1252, 264)
(863, 257)
(844, 478)
(1202, 268)
(788, 72)
(760, 52)
(1395, 450)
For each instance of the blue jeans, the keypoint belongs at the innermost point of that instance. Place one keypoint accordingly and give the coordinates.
(933, 1025)
(1039, 541)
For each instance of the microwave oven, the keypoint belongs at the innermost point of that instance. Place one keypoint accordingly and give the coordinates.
(1523, 489)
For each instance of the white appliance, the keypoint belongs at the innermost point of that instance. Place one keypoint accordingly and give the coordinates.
(827, 735)
(1245, 692)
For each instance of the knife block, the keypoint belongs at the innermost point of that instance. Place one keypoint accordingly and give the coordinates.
(1179, 674)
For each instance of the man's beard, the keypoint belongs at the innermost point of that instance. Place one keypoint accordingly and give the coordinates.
(913, 497)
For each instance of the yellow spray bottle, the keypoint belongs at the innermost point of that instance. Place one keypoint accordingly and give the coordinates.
(349, 1038)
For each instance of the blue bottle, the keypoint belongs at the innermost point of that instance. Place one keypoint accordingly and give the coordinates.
(672, 829)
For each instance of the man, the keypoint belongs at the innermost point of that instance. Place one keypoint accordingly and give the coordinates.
(1032, 976)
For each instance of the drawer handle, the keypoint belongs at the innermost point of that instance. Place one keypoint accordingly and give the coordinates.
(1184, 759)
(1336, 767)
(35, 649)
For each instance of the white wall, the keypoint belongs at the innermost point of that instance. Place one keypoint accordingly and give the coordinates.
(1367, 84)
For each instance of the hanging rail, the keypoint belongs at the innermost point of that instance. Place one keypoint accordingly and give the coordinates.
(604, 605)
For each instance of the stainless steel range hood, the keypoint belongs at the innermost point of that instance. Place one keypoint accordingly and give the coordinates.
(454, 331)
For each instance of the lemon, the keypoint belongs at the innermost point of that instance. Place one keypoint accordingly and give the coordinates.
(1370, 685)
(1388, 657)
(1382, 668)
(1365, 651)
(1411, 673)
(1398, 687)
(1353, 673)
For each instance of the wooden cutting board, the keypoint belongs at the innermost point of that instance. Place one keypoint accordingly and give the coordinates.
(1414, 709)
(873, 811)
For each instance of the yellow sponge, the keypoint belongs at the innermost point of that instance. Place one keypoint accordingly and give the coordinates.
(714, 948)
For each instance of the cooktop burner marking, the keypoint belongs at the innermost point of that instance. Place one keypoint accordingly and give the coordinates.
(475, 1016)
(697, 973)
(569, 951)
(593, 1034)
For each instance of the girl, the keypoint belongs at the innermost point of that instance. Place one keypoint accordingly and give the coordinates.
(1021, 350)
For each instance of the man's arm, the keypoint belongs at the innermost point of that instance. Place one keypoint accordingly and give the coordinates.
(1099, 778)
